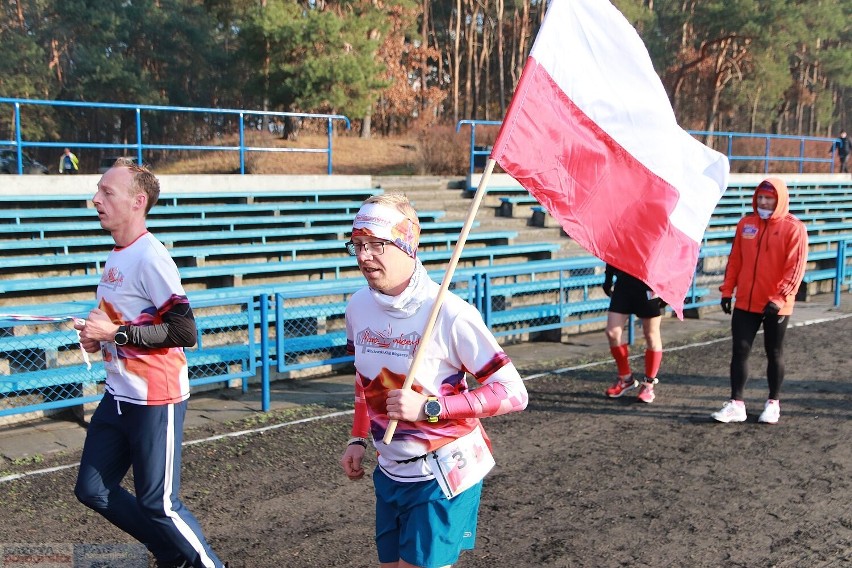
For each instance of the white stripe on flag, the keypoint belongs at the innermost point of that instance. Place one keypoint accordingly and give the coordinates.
(599, 61)
(591, 134)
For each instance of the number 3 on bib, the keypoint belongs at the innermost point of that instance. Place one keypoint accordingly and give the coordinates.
(461, 464)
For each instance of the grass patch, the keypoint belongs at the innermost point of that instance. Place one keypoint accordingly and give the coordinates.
(36, 459)
(350, 156)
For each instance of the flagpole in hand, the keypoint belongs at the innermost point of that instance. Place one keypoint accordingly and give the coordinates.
(445, 285)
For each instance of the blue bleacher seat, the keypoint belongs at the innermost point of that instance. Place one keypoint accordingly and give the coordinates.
(307, 314)
(45, 229)
(230, 274)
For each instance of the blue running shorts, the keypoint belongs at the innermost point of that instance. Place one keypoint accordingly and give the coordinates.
(415, 522)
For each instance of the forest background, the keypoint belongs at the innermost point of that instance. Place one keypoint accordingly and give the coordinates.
(409, 68)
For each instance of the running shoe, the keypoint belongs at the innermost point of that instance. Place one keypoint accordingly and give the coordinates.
(733, 411)
(646, 392)
(622, 386)
(771, 412)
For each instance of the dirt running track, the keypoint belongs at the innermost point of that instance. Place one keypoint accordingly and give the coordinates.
(581, 480)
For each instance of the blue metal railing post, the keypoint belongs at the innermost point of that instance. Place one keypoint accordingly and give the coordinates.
(251, 316)
(472, 159)
(472, 151)
(330, 131)
(18, 138)
(242, 145)
(263, 300)
(139, 135)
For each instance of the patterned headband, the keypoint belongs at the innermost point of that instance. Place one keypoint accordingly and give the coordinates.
(388, 223)
(767, 187)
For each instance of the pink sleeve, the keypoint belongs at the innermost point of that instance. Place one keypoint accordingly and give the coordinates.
(502, 393)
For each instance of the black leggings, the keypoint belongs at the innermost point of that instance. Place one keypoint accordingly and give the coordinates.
(744, 327)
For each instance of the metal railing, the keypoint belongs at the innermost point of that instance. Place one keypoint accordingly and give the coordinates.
(42, 367)
(244, 336)
(140, 146)
(771, 156)
(723, 141)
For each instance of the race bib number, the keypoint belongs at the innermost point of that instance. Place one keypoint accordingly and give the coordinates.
(461, 464)
(110, 356)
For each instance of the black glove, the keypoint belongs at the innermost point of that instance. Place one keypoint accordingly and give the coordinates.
(770, 310)
(607, 287)
(663, 303)
(726, 304)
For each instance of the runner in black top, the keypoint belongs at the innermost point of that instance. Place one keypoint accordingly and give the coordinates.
(628, 296)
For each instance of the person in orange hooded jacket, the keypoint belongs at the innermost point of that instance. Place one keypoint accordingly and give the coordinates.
(765, 269)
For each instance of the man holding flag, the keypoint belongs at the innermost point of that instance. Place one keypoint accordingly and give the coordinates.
(429, 476)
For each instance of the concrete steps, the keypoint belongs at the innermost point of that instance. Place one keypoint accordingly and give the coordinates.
(448, 194)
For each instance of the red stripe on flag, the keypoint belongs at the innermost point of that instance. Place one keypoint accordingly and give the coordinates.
(603, 197)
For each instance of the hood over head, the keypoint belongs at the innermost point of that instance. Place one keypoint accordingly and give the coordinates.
(779, 187)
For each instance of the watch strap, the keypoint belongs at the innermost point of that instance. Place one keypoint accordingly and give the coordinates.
(121, 336)
(357, 440)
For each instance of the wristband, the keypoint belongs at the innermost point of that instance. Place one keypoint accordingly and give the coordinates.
(357, 440)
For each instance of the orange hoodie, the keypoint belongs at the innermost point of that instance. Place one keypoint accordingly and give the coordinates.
(768, 257)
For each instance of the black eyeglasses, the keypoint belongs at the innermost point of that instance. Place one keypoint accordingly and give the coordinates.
(374, 248)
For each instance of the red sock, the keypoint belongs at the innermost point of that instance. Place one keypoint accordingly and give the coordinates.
(620, 355)
(652, 363)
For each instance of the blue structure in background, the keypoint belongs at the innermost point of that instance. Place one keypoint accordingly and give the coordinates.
(289, 327)
(479, 153)
(140, 146)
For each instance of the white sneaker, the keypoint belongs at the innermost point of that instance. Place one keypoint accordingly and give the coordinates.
(733, 411)
(771, 412)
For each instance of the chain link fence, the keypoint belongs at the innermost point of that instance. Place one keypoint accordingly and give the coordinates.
(542, 306)
(227, 343)
(300, 329)
(43, 369)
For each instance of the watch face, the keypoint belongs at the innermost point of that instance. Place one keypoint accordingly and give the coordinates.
(433, 408)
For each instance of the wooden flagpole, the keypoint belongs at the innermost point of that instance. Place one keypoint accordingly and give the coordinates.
(445, 285)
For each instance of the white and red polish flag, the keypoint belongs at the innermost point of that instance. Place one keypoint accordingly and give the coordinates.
(590, 133)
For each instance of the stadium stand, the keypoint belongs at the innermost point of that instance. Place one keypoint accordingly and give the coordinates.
(235, 274)
(213, 197)
(240, 236)
(272, 252)
(272, 295)
(70, 228)
(19, 216)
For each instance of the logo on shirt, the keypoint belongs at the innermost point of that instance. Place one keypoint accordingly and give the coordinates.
(369, 340)
(749, 231)
(112, 278)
